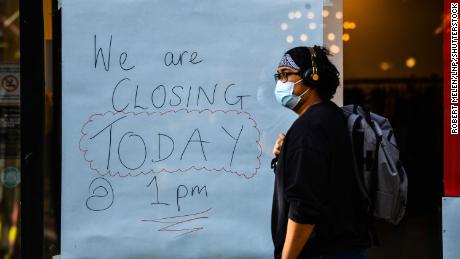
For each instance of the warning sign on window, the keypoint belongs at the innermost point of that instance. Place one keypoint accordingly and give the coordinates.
(9, 84)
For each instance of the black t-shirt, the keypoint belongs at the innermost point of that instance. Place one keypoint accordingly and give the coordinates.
(315, 184)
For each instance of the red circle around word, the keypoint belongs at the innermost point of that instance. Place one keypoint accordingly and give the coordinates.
(10, 83)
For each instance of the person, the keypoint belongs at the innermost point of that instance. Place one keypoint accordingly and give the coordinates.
(316, 204)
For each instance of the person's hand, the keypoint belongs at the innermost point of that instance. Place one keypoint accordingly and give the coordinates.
(278, 144)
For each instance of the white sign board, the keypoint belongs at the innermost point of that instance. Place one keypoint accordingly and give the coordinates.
(169, 120)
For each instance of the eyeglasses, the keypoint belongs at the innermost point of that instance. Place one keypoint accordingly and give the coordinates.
(283, 77)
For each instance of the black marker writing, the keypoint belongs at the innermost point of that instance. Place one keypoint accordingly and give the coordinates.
(135, 100)
(122, 60)
(236, 141)
(157, 202)
(127, 95)
(182, 192)
(101, 195)
(169, 59)
(113, 95)
(160, 135)
(178, 96)
(239, 97)
(188, 98)
(132, 135)
(101, 52)
(110, 138)
(201, 90)
(199, 140)
(163, 90)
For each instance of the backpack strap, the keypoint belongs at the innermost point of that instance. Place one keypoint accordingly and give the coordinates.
(274, 163)
(367, 114)
(355, 108)
(354, 120)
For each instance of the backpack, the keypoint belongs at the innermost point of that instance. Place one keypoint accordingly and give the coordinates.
(381, 178)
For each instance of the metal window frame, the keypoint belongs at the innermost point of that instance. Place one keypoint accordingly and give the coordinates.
(32, 127)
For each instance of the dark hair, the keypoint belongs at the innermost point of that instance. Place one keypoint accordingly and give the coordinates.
(329, 76)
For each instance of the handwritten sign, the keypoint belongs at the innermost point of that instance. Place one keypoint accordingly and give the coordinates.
(139, 143)
(169, 120)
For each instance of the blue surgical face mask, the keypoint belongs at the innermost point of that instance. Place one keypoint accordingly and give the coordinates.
(285, 96)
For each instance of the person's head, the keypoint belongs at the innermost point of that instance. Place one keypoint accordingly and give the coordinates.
(310, 70)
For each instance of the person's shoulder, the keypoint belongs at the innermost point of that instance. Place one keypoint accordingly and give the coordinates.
(320, 113)
(323, 108)
(320, 116)
(311, 118)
